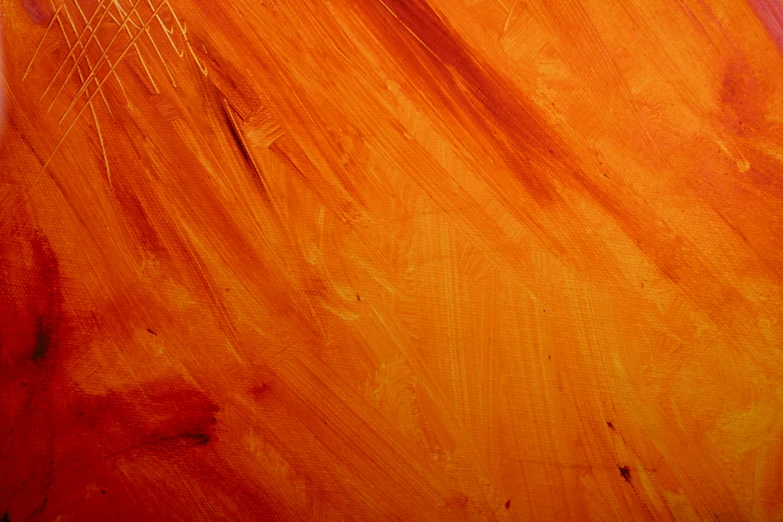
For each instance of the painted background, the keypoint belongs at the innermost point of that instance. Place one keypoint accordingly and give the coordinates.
(391, 260)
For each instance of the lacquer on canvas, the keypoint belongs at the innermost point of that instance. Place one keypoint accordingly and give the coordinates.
(407, 260)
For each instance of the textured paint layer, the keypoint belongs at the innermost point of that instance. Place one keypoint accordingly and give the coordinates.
(391, 260)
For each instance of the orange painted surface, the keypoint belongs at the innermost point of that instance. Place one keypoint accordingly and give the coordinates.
(391, 260)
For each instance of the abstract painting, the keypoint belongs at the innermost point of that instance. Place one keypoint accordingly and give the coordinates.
(410, 260)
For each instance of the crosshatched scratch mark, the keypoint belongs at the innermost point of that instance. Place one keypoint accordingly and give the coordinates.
(92, 107)
(77, 66)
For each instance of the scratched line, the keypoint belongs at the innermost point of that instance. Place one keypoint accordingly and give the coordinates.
(126, 16)
(83, 16)
(92, 105)
(81, 111)
(78, 65)
(66, 13)
(88, 27)
(101, 60)
(155, 44)
(43, 38)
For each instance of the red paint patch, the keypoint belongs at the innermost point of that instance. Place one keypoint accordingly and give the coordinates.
(31, 311)
(743, 98)
(260, 391)
(65, 443)
(39, 12)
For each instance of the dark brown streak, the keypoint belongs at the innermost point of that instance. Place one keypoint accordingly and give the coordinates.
(519, 137)
(527, 147)
(43, 340)
(26, 141)
(187, 439)
(463, 85)
(285, 156)
(236, 135)
(48, 298)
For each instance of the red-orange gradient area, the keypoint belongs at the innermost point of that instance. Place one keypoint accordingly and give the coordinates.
(391, 260)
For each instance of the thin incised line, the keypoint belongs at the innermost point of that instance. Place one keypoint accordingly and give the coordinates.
(126, 16)
(87, 27)
(155, 45)
(40, 43)
(183, 30)
(103, 145)
(69, 18)
(91, 104)
(81, 111)
(160, 20)
(93, 31)
(102, 58)
(98, 89)
(171, 31)
(100, 48)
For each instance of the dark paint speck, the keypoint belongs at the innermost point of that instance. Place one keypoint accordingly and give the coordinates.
(43, 341)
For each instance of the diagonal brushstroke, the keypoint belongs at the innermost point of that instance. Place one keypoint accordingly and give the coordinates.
(770, 12)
